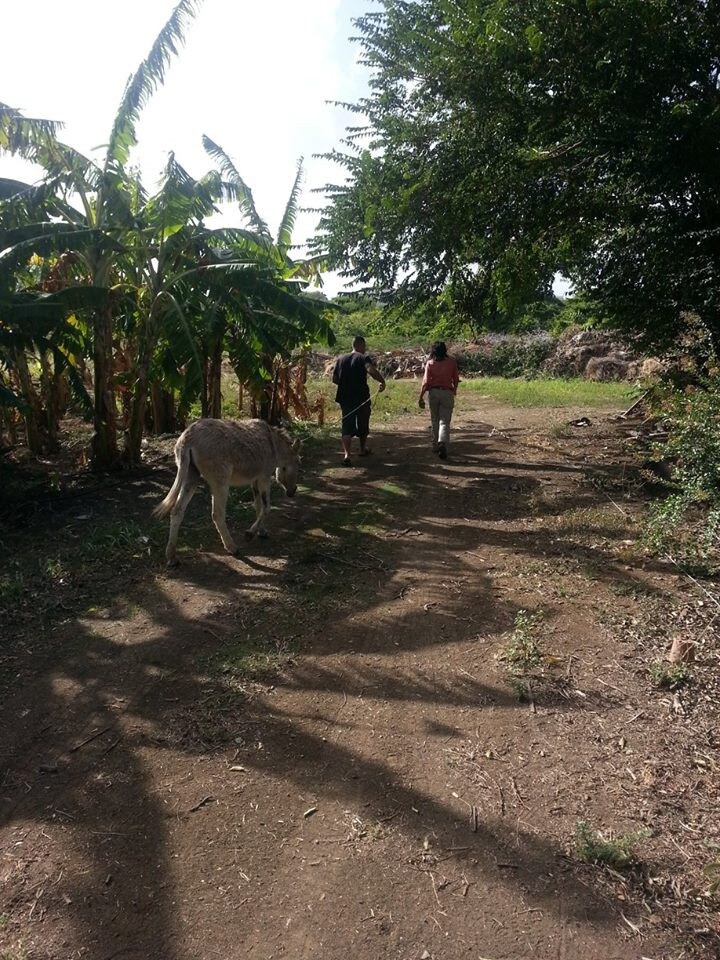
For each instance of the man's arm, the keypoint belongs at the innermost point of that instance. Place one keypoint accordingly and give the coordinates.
(376, 375)
(336, 372)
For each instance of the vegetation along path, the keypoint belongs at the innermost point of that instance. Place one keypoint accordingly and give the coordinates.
(391, 731)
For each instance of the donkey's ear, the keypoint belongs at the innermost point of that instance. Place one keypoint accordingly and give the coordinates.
(296, 445)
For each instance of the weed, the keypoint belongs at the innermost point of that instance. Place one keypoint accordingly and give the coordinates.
(669, 676)
(598, 521)
(54, 568)
(12, 589)
(111, 538)
(253, 658)
(687, 522)
(615, 851)
(522, 653)
(712, 871)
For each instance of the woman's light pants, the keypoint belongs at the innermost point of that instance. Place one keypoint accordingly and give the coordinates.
(441, 408)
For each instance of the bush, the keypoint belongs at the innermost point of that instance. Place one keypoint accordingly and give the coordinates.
(688, 520)
(617, 852)
(506, 356)
(669, 676)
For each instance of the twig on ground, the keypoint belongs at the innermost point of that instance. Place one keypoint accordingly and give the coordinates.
(513, 781)
(93, 736)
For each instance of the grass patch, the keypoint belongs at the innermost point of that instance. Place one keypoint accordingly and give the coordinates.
(550, 393)
(399, 399)
(401, 396)
(392, 490)
(252, 658)
(598, 521)
(669, 676)
(614, 851)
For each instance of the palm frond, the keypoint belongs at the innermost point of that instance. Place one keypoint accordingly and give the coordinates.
(287, 224)
(232, 176)
(23, 135)
(145, 81)
(53, 241)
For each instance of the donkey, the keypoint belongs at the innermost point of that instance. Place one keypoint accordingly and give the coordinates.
(228, 453)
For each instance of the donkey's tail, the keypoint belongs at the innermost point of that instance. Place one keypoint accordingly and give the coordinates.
(183, 458)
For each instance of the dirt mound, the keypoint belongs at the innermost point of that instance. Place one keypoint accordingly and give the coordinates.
(597, 355)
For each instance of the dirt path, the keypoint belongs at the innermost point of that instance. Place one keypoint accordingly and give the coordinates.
(313, 751)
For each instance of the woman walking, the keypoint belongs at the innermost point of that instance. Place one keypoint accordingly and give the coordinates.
(440, 382)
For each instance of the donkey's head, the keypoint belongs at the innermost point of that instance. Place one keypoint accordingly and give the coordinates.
(289, 468)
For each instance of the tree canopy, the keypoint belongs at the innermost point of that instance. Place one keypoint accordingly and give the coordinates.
(506, 140)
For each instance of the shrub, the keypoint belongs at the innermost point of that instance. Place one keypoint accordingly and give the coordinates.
(669, 676)
(507, 356)
(592, 847)
(688, 520)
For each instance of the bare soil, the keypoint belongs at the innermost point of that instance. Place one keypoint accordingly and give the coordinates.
(316, 750)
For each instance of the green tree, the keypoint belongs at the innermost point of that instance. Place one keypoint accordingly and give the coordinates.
(510, 139)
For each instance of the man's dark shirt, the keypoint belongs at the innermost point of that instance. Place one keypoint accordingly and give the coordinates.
(350, 375)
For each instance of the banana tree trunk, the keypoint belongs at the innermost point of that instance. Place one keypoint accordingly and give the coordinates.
(268, 390)
(49, 385)
(32, 415)
(215, 381)
(163, 409)
(138, 403)
(104, 449)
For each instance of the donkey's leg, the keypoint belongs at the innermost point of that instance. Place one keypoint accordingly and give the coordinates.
(262, 506)
(265, 486)
(257, 499)
(176, 518)
(219, 489)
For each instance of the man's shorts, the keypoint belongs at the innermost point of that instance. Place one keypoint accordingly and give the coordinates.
(355, 422)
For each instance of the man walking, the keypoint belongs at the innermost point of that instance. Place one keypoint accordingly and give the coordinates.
(353, 394)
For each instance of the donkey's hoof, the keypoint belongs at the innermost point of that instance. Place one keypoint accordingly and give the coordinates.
(172, 562)
(263, 534)
(249, 534)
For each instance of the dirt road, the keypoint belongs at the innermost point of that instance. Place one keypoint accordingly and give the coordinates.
(314, 751)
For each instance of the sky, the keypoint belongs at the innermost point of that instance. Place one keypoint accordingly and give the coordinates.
(254, 76)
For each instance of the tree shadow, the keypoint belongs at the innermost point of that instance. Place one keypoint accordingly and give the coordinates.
(99, 724)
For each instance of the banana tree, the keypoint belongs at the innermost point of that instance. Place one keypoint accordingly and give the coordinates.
(289, 276)
(99, 197)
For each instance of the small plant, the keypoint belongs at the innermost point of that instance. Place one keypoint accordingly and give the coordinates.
(12, 588)
(687, 522)
(669, 676)
(522, 653)
(54, 569)
(615, 851)
(712, 871)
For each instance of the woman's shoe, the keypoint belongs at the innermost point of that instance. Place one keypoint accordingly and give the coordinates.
(442, 451)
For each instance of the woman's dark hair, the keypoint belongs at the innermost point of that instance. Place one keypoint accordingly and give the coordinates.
(438, 351)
